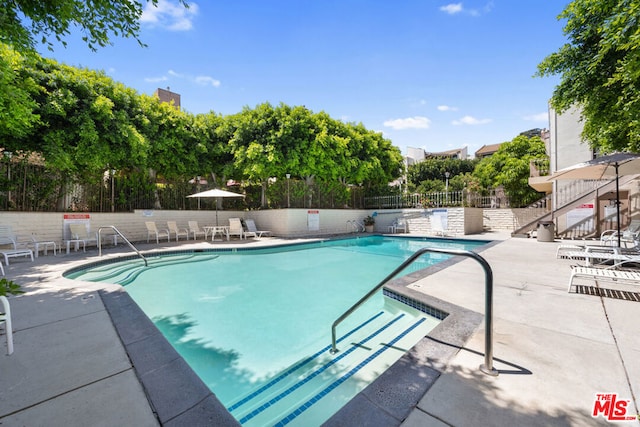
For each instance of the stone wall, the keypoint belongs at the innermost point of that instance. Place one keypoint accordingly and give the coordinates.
(281, 222)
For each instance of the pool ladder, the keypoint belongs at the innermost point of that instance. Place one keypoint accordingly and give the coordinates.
(115, 230)
(487, 367)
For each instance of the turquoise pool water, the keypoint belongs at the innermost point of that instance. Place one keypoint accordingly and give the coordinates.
(247, 320)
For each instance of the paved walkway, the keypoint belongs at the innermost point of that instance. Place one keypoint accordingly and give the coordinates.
(554, 350)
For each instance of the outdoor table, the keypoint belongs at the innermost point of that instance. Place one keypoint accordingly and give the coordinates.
(223, 230)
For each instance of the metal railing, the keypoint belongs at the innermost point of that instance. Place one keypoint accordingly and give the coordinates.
(487, 367)
(123, 238)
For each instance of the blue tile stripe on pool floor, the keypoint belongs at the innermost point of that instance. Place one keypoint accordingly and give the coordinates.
(314, 374)
(286, 420)
(298, 365)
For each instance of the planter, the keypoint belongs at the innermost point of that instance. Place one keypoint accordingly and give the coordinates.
(368, 228)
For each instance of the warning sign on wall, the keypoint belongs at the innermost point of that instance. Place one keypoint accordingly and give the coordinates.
(313, 220)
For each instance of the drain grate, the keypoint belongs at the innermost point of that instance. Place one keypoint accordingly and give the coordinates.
(608, 293)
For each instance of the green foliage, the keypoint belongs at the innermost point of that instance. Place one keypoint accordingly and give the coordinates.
(99, 20)
(9, 287)
(600, 70)
(428, 173)
(509, 168)
(87, 125)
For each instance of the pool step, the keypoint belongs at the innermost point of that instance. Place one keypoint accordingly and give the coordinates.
(128, 271)
(299, 393)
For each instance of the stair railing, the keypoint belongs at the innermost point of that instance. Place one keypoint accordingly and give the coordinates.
(123, 238)
(487, 367)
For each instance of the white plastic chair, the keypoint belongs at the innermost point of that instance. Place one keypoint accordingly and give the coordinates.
(235, 228)
(5, 317)
(153, 230)
(173, 228)
(252, 230)
(194, 230)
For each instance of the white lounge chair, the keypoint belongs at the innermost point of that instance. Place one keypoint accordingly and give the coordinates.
(629, 236)
(631, 277)
(173, 228)
(12, 250)
(152, 230)
(194, 230)
(253, 231)
(5, 317)
(400, 224)
(80, 234)
(235, 228)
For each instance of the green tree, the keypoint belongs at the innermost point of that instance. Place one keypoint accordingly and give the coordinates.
(23, 23)
(433, 170)
(17, 116)
(600, 70)
(509, 168)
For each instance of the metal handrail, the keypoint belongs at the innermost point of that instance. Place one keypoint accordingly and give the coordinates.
(487, 367)
(124, 238)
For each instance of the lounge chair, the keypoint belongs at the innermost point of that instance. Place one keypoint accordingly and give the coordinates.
(600, 255)
(5, 317)
(400, 224)
(631, 235)
(253, 231)
(631, 277)
(195, 230)
(152, 230)
(235, 228)
(173, 228)
(7, 239)
(80, 234)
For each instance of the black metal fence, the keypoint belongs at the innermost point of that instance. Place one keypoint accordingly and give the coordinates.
(27, 186)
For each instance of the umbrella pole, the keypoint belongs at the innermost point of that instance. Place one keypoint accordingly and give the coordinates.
(618, 204)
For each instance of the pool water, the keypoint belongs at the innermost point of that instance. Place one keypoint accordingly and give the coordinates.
(255, 325)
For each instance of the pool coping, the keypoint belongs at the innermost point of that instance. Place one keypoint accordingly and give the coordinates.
(179, 397)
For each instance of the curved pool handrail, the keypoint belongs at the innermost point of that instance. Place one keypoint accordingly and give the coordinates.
(112, 227)
(487, 367)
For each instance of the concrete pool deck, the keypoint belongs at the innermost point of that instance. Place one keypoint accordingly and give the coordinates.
(554, 350)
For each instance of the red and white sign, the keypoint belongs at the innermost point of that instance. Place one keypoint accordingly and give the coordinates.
(612, 409)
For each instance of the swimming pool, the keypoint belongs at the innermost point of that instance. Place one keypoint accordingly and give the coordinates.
(254, 324)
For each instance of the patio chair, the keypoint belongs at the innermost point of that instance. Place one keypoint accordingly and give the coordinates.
(235, 228)
(195, 230)
(152, 230)
(253, 231)
(5, 317)
(80, 234)
(629, 236)
(400, 224)
(173, 228)
(8, 239)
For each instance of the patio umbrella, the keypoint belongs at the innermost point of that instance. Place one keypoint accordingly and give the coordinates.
(604, 167)
(216, 193)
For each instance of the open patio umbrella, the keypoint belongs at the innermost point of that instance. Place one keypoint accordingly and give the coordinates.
(217, 194)
(604, 167)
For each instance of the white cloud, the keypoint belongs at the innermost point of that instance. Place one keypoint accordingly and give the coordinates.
(169, 15)
(446, 108)
(469, 120)
(452, 8)
(206, 80)
(455, 8)
(416, 122)
(156, 79)
(540, 117)
(173, 75)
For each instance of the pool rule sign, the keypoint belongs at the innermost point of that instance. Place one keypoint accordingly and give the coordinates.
(313, 220)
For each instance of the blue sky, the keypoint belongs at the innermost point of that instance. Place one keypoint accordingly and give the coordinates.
(426, 73)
